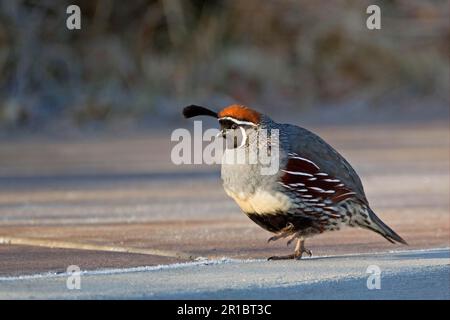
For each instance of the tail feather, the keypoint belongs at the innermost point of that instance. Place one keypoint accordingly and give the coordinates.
(381, 228)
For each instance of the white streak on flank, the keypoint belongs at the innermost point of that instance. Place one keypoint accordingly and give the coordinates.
(331, 208)
(312, 179)
(297, 184)
(316, 189)
(321, 174)
(303, 159)
(297, 173)
(332, 180)
(321, 190)
(239, 122)
(307, 196)
(303, 190)
(284, 185)
(346, 194)
(340, 185)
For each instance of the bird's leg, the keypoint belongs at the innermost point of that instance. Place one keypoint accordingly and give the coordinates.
(299, 250)
(285, 232)
(278, 236)
(295, 236)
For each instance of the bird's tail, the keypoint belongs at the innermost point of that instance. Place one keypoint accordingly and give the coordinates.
(381, 228)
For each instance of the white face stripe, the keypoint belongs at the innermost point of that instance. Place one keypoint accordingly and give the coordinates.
(244, 137)
(244, 134)
(239, 122)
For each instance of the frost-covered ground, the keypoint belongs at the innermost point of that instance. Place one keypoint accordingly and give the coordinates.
(117, 202)
(415, 274)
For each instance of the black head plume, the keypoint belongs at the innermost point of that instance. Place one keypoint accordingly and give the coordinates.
(193, 111)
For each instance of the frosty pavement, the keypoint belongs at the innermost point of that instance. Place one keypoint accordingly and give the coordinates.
(119, 202)
(414, 274)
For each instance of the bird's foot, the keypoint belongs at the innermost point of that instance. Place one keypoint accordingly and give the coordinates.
(285, 232)
(286, 257)
(276, 237)
(298, 253)
(293, 256)
(300, 248)
(307, 251)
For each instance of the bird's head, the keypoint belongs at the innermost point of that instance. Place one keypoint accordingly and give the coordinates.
(231, 118)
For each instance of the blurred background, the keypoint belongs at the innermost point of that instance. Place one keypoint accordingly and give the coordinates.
(86, 118)
(135, 64)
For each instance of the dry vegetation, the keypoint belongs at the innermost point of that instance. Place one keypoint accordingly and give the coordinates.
(147, 57)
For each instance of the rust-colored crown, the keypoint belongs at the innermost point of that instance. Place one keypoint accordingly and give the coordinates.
(242, 113)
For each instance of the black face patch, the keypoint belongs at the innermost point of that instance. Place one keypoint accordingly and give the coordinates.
(226, 124)
(231, 133)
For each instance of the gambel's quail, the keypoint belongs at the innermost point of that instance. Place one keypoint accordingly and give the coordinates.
(315, 189)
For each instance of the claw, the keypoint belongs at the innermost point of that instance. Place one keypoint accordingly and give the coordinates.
(301, 248)
(285, 232)
(298, 253)
(276, 237)
(287, 257)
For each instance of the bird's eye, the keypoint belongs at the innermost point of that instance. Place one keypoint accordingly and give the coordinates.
(234, 126)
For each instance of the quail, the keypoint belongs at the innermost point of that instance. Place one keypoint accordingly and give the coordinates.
(314, 190)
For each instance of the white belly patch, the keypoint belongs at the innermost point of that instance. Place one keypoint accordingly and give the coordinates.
(262, 202)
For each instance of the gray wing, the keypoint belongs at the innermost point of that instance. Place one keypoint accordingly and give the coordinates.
(310, 146)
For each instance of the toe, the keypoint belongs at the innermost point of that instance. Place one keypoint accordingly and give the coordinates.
(290, 256)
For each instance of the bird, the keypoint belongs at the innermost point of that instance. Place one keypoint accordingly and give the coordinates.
(314, 190)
